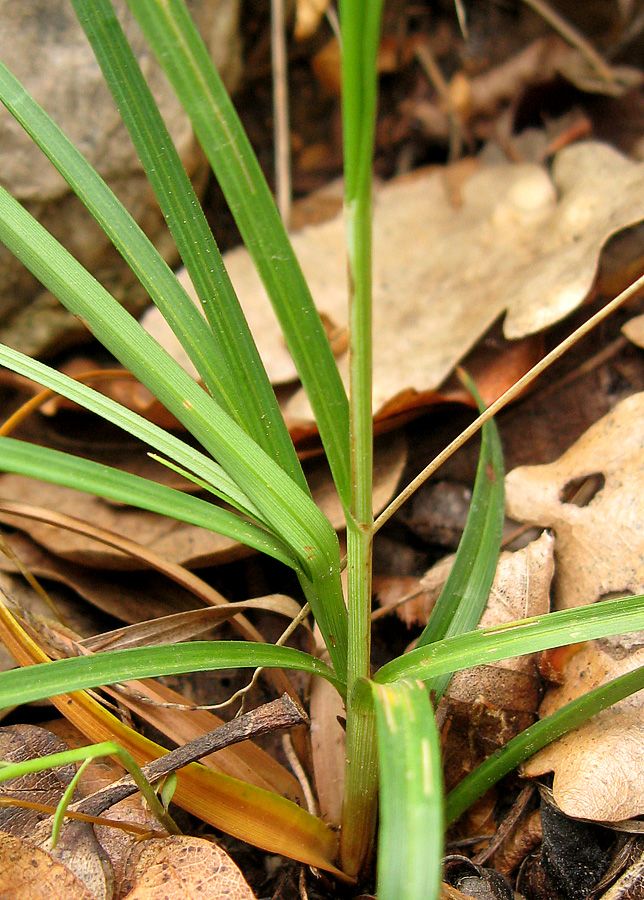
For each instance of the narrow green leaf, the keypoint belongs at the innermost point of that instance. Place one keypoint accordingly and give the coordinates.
(85, 475)
(186, 62)
(537, 736)
(360, 24)
(464, 596)
(410, 840)
(240, 383)
(85, 755)
(64, 675)
(557, 629)
(289, 512)
(198, 463)
(465, 593)
(189, 326)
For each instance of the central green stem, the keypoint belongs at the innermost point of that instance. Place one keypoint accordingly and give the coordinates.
(360, 27)
(360, 796)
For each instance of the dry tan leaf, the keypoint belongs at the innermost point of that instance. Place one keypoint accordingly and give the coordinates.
(519, 241)
(27, 873)
(131, 597)
(520, 588)
(634, 330)
(176, 541)
(179, 868)
(308, 15)
(187, 625)
(77, 848)
(600, 546)
(328, 748)
(79, 851)
(599, 767)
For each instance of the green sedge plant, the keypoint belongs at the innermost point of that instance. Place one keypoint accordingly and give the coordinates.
(393, 768)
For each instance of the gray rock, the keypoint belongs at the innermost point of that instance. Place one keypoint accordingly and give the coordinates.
(43, 45)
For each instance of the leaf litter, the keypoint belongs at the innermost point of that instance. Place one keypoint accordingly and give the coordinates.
(599, 553)
(110, 864)
(529, 257)
(511, 239)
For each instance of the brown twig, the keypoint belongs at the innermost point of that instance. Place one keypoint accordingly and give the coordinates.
(281, 713)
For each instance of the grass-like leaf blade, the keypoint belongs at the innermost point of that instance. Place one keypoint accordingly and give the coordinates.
(251, 813)
(465, 593)
(290, 512)
(185, 60)
(64, 675)
(486, 645)
(190, 327)
(196, 462)
(410, 840)
(537, 736)
(71, 471)
(242, 387)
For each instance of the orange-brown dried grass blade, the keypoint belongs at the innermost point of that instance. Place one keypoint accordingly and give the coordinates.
(244, 761)
(130, 827)
(239, 809)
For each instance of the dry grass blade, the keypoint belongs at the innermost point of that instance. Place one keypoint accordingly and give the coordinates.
(186, 625)
(266, 820)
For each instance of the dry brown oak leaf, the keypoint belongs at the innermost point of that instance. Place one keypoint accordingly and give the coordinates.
(448, 263)
(599, 549)
(599, 766)
(180, 867)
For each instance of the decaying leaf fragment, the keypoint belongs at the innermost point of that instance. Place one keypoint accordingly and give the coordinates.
(27, 873)
(599, 766)
(484, 707)
(77, 856)
(599, 551)
(516, 239)
(180, 867)
(600, 546)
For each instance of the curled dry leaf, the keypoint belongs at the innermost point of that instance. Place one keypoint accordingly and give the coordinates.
(599, 551)
(180, 867)
(308, 15)
(599, 767)
(634, 330)
(600, 546)
(516, 240)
